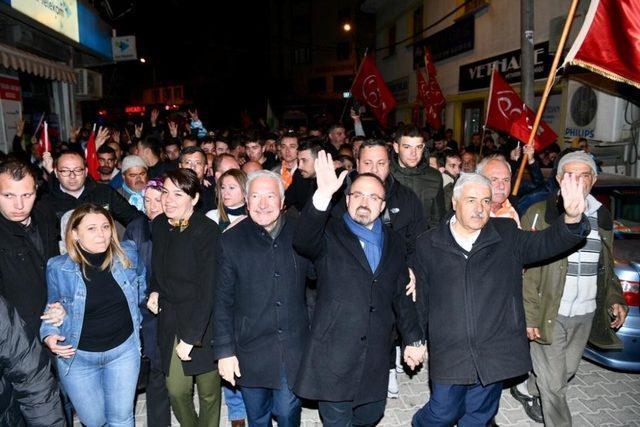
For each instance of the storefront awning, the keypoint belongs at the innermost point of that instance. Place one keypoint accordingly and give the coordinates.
(19, 60)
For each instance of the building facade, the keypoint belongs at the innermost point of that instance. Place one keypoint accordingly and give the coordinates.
(45, 51)
(467, 39)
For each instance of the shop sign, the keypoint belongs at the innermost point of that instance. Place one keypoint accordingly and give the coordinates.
(59, 15)
(477, 75)
(124, 48)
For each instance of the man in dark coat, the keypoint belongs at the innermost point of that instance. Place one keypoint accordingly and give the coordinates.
(471, 299)
(72, 187)
(28, 392)
(411, 169)
(28, 238)
(403, 212)
(259, 319)
(361, 281)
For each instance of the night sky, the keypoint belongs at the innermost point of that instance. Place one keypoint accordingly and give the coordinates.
(217, 49)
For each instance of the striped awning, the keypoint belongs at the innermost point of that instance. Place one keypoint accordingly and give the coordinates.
(19, 60)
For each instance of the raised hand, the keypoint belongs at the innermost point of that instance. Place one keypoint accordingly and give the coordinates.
(138, 130)
(115, 136)
(75, 133)
(154, 116)
(194, 114)
(355, 116)
(20, 127)
(47, 162)
(102, 136)
(573, 197)
(328, 182)
(173, 129)
(529, 151)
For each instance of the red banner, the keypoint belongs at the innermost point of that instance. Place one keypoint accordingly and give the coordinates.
(507, 113)
(431, 96)
(92, 155)
(607, 43)
(370, 89)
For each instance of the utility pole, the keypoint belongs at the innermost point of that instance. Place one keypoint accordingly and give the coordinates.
(526, 46)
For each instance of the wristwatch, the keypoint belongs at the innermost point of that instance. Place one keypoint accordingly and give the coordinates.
(418, 343)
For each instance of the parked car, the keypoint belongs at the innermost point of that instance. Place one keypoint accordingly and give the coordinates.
(621, 195)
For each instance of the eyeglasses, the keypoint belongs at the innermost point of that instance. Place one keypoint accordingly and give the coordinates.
(356, 195)
(69, 172)
(192, 163)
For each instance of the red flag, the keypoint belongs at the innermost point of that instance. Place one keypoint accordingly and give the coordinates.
(507, 113)
(429, 66)
(370, 89)
(92, 155)
(432, 99)
(607, 43)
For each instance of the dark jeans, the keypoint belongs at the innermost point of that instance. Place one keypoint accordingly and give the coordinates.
(263, 403)
(467, 405)
(158, 406)
(344, 414)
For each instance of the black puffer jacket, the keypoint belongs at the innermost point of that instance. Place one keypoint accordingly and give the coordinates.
(27, 388)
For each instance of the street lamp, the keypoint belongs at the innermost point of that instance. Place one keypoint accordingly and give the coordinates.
(346, 27)
(143, 60)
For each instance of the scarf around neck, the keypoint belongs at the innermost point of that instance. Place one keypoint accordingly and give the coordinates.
(135, 199)
(372, 240)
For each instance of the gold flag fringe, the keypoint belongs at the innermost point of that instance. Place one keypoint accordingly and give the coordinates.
(606, 73)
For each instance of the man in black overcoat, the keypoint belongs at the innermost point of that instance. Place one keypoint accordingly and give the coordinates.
(469, 285)
(362, 275)
(260, 320)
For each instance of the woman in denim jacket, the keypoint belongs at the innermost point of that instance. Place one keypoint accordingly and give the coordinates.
(100, 283)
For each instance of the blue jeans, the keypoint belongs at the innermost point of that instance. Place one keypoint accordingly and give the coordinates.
(234, 402)
(343, 414)
(467, 405)
(263, 403)
(102, 385)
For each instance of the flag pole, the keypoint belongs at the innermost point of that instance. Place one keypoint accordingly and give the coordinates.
(344, 109)
(547, 89)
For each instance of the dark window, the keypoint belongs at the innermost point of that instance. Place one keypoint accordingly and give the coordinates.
(343, 50)
(317, 85)
(301, 55)
(301, 25)
(342, 83)
(417, 23)
(391, 40)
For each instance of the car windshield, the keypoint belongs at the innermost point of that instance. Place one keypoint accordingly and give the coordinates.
(624, 204)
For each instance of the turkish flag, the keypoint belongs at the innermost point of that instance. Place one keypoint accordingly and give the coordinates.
(92, 155)
(429, 65)
(370, 89)
(432, 99)
(607, 43)
(507, 113)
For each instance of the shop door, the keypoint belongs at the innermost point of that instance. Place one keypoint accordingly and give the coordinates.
(473, 116)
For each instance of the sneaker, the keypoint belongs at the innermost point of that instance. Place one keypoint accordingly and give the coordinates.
(393, 391)
(531, 404)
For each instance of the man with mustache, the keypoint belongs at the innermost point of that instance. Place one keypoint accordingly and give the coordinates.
(470, 297)
(498, 171)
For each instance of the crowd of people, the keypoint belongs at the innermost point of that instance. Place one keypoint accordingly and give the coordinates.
(295, 266)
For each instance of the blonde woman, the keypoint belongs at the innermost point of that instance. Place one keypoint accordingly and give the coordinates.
(100, 284)
(231, 198)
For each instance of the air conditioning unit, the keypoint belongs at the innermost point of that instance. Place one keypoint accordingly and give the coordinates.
(88, 84)
(595, 115)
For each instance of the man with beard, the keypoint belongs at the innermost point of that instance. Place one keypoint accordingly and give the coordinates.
(450, 175)
(362, 275)
(134, 172)
(304, 183)
(107, 162)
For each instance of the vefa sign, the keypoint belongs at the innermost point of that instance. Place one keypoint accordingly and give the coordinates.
(477, 75)
(124, 48)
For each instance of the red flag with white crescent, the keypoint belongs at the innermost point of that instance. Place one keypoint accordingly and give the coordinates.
(370, 89)
(507, 113)
(429, 66)
(91, 155)
(608, 42)
(430, 94)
